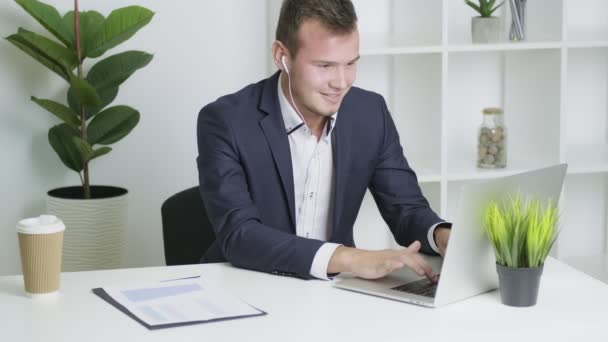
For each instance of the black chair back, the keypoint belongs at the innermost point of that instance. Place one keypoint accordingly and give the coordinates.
(187, 232)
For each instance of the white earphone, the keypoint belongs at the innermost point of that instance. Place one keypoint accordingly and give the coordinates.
(289, 86)
(285, 64)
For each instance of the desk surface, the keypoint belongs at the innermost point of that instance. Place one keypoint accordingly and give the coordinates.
(300, 310)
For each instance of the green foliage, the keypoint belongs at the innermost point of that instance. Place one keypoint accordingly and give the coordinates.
(49, 18)
(521, 232)
(85, 123)
(120, 25)
(89, 22)
(53, 55)
(61, 138)
(112, 125)
(62, 112)
(485, 8)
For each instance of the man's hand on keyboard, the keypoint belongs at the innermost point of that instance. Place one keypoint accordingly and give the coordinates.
(377, 264)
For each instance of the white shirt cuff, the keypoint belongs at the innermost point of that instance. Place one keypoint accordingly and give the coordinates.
(430, 237)
(318, 269)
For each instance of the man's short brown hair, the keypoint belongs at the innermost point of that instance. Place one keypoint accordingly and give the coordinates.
(338, 16)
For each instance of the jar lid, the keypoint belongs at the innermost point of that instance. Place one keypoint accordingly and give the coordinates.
(492, 110)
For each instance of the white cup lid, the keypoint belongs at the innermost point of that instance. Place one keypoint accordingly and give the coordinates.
(44, 224)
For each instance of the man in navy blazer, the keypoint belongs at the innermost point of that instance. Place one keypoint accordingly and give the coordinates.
(284, 163)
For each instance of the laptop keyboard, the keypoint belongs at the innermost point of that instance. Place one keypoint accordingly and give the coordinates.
(422, 287)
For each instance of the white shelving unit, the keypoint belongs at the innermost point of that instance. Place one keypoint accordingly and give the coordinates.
(553, 88)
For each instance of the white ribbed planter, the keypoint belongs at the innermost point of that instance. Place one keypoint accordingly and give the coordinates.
(95, 228)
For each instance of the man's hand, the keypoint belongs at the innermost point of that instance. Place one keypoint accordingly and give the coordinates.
(441, 236)
(377, 264)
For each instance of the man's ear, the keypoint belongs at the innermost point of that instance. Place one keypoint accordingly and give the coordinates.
(278, 52)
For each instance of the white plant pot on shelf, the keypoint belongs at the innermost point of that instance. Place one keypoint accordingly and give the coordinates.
(485, 30)
(95, 228)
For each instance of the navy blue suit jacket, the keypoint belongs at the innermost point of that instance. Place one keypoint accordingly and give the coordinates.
(246, 179)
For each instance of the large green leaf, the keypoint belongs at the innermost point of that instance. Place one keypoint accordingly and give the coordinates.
(83, 148)
(105, 95)
(106, 75)
(84, 92)
(100, 152)
(62, 112)
(19, 42)
(114, 70)
(90, 22)
(112, 125)
(51, 54)
(61, 138)
(120, 25)
(87, 153)
(48, 17)
(54, 50)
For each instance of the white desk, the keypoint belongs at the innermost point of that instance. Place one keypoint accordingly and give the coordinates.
(301, 310)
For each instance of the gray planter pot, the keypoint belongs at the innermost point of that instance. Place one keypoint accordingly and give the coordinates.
(95, 228)
(485, 30)
(519, 286)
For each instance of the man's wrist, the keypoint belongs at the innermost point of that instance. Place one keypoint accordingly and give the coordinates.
(438, 230)
(341, 260)
(441, 235)
(431, 237)
(320, 262)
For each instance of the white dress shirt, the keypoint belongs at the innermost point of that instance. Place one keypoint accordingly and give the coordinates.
(313, 176)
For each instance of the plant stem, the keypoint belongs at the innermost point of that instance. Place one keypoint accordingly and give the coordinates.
(83, 117)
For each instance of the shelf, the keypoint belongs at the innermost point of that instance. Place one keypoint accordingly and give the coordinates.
(382, 44)
(471, 172)
(391, 27)
(369, 234)
(504, 46)
(416, 110)
(584, 217)
(586, 159)
(586, 20)
(390, 44)
(375, 73)
(427, 177)
(543, 22)
(411, 86)
(585, 44)
(464, 173)
(553, 88)
(432, 192)
(586, 110)
(526, 84)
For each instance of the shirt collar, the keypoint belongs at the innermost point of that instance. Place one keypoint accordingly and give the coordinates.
(293, 121)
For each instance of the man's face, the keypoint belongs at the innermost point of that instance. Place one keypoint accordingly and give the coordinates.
(323, 69)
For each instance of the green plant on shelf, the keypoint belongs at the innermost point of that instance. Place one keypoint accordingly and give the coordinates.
(521, 231)
(485, 8)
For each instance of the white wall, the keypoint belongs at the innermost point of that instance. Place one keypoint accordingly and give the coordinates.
(202, 49)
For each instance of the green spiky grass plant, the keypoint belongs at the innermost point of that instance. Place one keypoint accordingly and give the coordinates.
(485, 7)
(521, 231)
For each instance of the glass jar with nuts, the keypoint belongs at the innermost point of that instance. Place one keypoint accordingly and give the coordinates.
(492, 140)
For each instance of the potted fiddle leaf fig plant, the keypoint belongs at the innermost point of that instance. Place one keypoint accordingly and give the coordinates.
(95, 216)
(485, 28)
(521, 232)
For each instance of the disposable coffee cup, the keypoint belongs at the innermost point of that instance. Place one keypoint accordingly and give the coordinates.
(40, 246)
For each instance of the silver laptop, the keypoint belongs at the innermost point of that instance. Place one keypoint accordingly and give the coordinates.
(468, 268)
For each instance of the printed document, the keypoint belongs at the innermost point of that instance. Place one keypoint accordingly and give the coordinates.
(181, 301)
